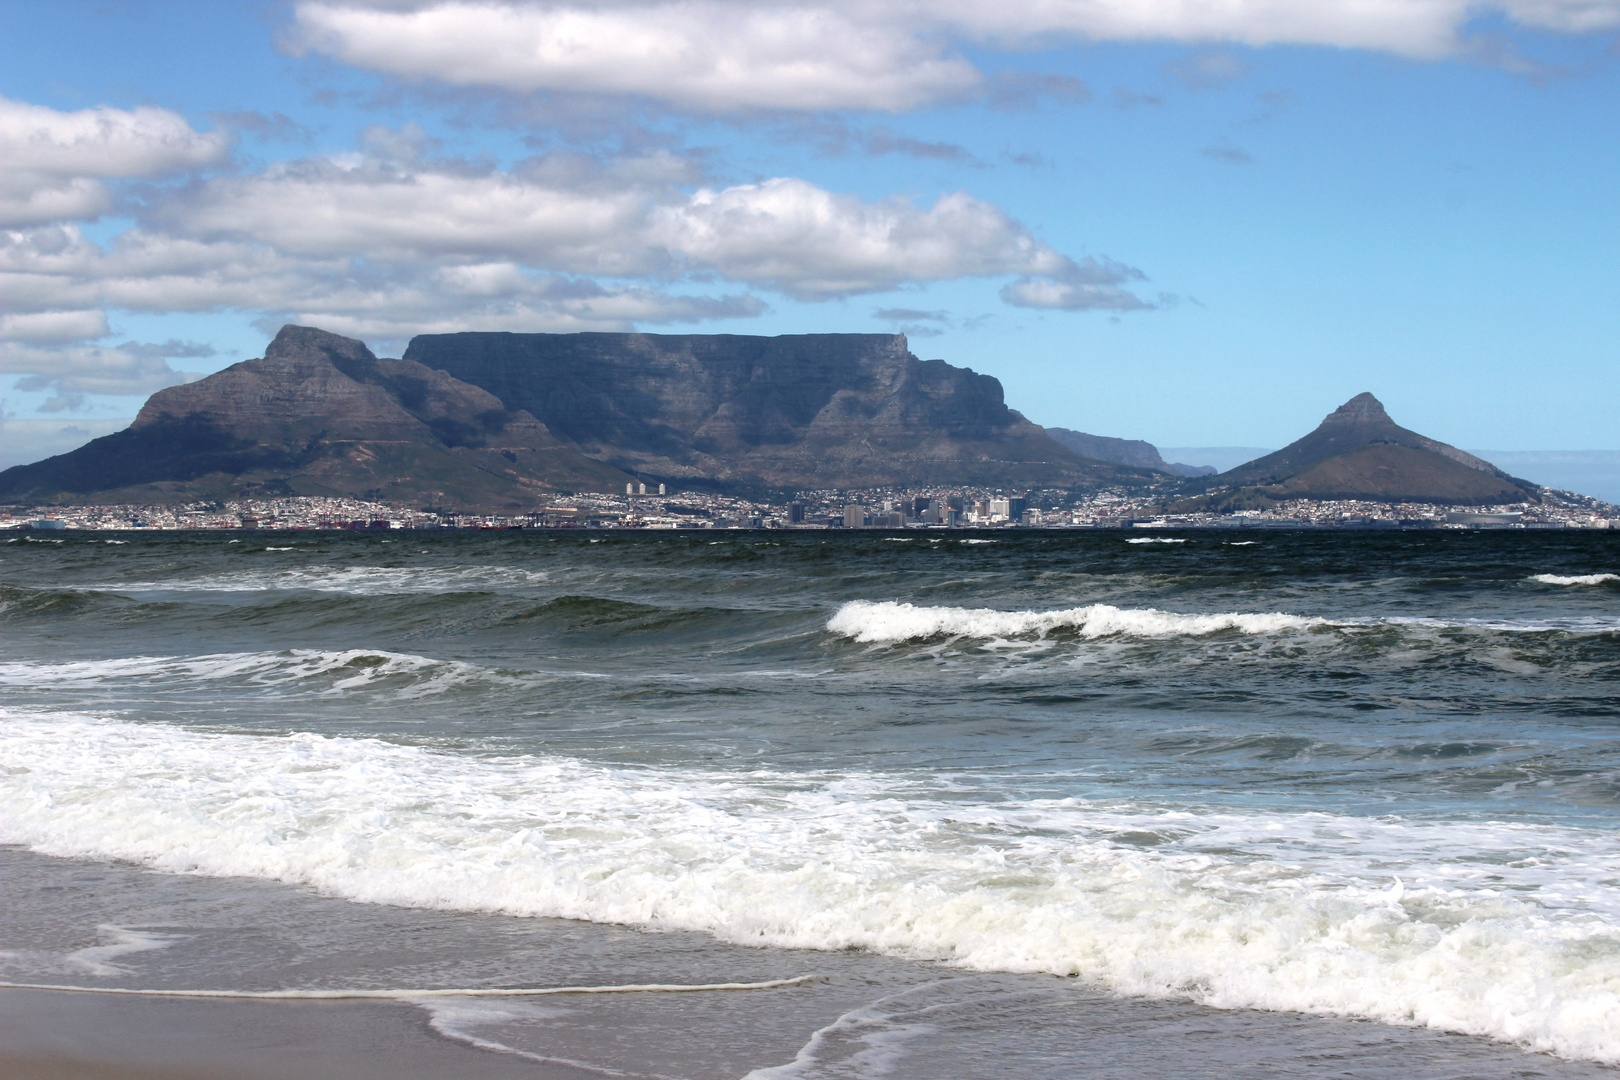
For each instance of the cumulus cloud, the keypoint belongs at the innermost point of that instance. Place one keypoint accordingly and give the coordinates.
(792, 236)
(376, 298)
(392, 241)
(732, 56)
(563, 214)
(716, 56)
(53, 164)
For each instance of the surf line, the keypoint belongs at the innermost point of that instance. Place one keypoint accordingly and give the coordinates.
(408, 995)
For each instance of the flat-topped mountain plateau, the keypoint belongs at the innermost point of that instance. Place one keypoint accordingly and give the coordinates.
(493, 421)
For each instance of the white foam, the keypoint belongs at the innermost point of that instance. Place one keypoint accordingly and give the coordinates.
(97, 960)
(1505, 930)
(1579, 579)
(887, 622)
(1156, 540)
(101, 959)
(335, 671)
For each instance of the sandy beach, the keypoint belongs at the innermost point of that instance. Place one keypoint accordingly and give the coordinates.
(51, 1035)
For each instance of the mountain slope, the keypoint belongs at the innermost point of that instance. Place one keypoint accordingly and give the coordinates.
(319, 414)
(1358, 452)
(1137, 452)
(795, 411)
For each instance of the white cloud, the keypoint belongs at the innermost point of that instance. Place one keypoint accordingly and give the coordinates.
(52, 163)
(701, 54)
(69, 373)
(562, 215)
(53, 326)
(885, 55)
(790, 235)
(384, 301)
(389, 243)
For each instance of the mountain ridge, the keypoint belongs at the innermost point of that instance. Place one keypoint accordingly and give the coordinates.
(318, 414)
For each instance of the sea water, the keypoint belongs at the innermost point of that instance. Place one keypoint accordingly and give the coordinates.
(1048, 802)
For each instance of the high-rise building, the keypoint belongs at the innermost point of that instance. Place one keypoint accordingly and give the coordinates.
(795, 513)
(1016, 508)
(854, 516)
(919, 503)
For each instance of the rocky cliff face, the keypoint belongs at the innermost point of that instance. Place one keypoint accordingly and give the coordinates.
(796, 411)
(319, 415)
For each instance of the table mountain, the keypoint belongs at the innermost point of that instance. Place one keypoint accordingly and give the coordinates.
(318, 415)
(1358, 452)
(490, 421)
(799, 411)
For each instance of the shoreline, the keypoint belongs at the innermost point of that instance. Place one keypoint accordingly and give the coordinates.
(66, 1035)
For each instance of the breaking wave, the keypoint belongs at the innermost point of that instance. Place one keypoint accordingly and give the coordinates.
(1578, 579)
(1505, 930)
(886, 622)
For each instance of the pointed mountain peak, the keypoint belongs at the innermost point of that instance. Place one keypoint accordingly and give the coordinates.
(1361, 409)
(308, 350)
(297, 342)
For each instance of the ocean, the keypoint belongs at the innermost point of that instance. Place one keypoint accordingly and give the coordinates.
(917, 804)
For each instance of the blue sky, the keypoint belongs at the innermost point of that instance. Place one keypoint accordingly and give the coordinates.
(1199, 224)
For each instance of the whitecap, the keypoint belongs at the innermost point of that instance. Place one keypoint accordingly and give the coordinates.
(1156, 540)
(887, 622)
(1578, 579)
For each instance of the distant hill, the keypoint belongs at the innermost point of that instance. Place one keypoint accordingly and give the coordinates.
(799, 411)
(318, 415)
(490, 421)
(1358, 452)
(1220, 458)
(1137, 452)
(1590, 472)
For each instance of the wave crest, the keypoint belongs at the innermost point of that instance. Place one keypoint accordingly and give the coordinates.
(1577, 579)
(887, 622)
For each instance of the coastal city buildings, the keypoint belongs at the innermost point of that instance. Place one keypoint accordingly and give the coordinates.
(862, 509)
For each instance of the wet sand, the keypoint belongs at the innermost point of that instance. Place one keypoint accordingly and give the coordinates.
(50, 1035)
